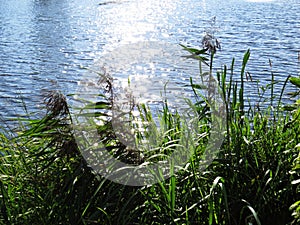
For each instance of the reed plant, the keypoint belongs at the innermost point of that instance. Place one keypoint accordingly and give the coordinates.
(253, 180)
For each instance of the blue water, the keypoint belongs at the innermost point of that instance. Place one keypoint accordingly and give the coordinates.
(45, 44)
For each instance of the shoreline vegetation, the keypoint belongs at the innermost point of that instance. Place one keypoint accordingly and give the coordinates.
(253, 180)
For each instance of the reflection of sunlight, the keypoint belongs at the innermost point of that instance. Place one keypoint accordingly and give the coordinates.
(204, 5)
(140, 21)
(259, 0)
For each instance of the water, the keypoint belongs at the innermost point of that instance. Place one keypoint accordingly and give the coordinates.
(45, 44)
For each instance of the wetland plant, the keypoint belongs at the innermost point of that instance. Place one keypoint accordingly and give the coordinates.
(253, 180)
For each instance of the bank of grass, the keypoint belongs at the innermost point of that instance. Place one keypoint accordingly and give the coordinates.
(253, 180)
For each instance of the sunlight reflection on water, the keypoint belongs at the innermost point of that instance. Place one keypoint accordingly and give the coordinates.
(44, 44)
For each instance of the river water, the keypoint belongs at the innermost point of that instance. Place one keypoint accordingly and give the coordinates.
(45, 43)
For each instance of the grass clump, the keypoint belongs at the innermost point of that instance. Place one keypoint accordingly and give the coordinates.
(253, 180)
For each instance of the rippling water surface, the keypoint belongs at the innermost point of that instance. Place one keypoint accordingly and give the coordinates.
(44, 44)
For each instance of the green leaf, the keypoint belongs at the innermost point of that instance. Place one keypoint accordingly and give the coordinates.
(93, 114)
(289, 108)
(295, 81)
(194, 50)
(293, 94)
(246, 57)
(254, 214)
(296, 181)
(198, 86)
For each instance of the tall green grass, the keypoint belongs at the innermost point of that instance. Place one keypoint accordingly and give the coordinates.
(253, 180)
